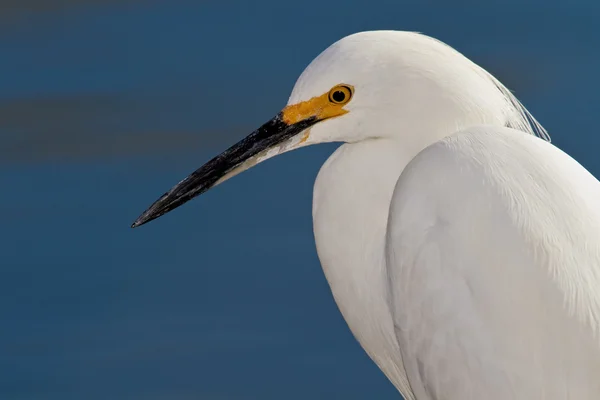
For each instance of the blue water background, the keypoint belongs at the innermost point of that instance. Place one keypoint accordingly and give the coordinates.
(105, 104)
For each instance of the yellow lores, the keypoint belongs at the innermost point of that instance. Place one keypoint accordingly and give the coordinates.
(328, 105)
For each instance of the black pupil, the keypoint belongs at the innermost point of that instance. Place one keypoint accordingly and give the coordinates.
(338, 96)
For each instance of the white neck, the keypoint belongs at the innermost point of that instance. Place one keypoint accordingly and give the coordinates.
(351, 200)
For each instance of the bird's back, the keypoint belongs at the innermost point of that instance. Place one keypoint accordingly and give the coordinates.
(493, 258)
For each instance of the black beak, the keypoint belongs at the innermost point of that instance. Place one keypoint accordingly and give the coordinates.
(270, 134)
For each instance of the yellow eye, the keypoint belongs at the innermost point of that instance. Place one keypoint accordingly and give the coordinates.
(341, 94)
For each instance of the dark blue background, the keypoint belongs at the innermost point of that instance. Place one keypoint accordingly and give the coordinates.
(105, 104)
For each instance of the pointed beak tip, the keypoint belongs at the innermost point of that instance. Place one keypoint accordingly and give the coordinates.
(138, 222)
(142, 219)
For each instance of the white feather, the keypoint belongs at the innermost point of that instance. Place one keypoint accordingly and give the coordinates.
(494, 269)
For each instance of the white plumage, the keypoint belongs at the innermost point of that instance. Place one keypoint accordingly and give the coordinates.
(494, 270)
(482, 281)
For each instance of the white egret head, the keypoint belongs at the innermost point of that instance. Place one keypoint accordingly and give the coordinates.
(383, 84)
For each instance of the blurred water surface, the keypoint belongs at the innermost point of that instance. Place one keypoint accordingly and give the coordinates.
(105, 104)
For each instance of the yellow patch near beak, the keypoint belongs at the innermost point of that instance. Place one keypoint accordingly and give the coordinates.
(320, 107)
(305, 136)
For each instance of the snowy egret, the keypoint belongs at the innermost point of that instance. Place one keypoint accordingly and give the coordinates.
(462, 248)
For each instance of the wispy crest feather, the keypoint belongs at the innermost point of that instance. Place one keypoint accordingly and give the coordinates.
(522, 118)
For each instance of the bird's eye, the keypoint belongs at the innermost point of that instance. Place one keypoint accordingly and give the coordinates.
(340, 94)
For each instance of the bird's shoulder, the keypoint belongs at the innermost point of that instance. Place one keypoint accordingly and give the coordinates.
(493, 183)
(547, 194)
(493, 258)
